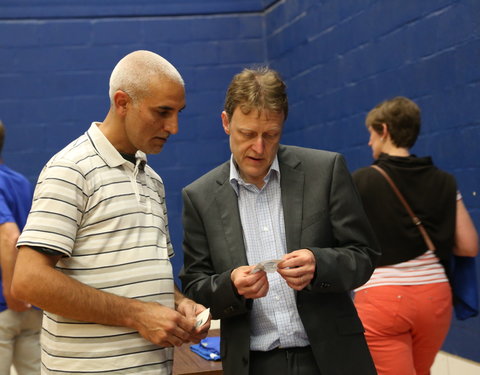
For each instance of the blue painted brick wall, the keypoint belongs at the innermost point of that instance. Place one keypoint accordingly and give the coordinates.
(55, 75)
(339, 59)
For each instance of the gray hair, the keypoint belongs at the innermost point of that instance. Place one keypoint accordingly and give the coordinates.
(133, 74)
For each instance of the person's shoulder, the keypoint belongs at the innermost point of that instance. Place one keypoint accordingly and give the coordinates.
(444, 177)
(365, 172)
(441, 172)
(7, 173)
(73, 153)
(306, 151)
(217, 174)
(73, 160)
(5, 170)
(431, 172)
(75, 149)
(305, 154)
(367, 179)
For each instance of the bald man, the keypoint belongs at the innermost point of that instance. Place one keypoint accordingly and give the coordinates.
(94, 254)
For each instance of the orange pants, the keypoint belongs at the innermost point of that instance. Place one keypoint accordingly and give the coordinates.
(405, 325)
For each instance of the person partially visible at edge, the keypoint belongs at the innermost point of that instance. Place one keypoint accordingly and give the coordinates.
(20, 323)
(406, 307)
(271, 201)
(95, 250)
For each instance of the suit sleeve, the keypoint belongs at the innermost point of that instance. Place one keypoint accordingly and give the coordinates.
(204, 278)
(350, 261)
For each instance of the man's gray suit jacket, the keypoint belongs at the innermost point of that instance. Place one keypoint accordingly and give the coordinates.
(323, 213)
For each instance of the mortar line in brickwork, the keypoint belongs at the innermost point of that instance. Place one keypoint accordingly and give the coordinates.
(144, 16)
(132, 17)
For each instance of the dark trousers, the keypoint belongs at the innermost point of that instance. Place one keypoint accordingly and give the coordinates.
(289, 361)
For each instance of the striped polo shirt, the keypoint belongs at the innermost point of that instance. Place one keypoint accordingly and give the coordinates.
(109, 218)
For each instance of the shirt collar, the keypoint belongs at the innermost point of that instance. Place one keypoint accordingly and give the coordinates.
(235, 178)
(107, 152)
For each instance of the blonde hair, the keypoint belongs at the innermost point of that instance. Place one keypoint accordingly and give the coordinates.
(134, 72)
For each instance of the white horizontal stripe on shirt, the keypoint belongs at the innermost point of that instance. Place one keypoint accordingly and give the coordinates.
(425, 269)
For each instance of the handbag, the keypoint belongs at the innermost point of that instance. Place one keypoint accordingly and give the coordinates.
(463, 279)
(461, 270)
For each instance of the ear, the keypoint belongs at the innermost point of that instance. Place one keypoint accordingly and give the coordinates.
(385, 132)
(120, 101)
(225, 123)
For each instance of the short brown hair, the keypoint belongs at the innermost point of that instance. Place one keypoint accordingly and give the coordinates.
(257, 88)
(402, 117)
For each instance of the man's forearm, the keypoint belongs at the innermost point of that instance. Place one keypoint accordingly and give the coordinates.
(39, 283)
(178, 296)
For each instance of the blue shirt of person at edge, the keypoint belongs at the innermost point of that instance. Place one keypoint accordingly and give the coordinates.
(16, 194)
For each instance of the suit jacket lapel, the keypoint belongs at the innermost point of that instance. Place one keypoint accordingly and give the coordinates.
(227, 204)
(292, 181)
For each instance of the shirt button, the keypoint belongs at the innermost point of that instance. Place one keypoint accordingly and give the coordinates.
(265, 229)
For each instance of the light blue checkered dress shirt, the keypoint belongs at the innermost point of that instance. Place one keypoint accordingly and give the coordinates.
(274, 320)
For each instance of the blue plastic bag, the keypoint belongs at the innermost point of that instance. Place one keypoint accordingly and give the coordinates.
(208, 348)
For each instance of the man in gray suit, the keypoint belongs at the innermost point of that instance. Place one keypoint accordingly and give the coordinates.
(296, 207)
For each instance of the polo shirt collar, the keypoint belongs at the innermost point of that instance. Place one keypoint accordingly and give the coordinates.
(107, 152)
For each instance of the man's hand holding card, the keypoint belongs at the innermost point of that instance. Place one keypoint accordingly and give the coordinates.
(268, 266)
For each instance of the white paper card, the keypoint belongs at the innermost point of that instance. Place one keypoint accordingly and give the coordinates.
(202, 318)
(267, 266)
